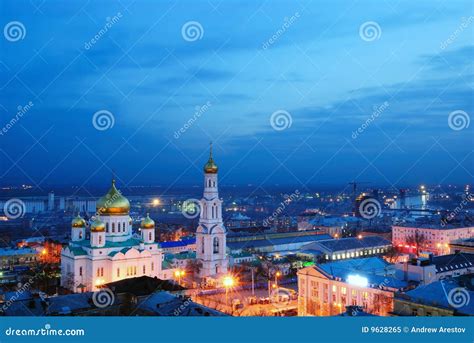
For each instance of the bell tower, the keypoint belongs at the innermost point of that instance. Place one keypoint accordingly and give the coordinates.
(211, 233)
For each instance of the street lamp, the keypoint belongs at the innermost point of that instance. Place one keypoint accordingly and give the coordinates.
(228, 282)
(277, 275)
(179, 274)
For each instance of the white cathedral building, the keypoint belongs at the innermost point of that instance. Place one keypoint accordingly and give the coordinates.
(113, 253)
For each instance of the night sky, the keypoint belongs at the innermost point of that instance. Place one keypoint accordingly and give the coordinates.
(368, 88)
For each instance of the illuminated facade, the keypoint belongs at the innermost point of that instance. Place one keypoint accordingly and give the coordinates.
(112, 253)
(326, 289)
(431, 239)
(211, 233)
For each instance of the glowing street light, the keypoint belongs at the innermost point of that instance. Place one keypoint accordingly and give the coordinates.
(179, 273)
(156, 202)
(228, 282)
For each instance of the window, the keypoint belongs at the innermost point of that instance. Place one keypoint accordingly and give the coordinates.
(343, 290)
(80, 271)
(113, 227)
(152, 266)
(149, 236)
(80, 234)
(118, 227)
(118, 272)
(202, 245)
(216, 245)
(107, 227)
(144, 269)
(134, 270)
(100, 240)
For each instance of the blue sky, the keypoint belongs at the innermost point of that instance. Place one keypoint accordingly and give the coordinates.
(318, 69)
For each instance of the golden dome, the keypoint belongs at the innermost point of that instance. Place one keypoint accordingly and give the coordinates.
(210, 167)
(113, 203)
(97, 225)
(147, 223)
(78, 222)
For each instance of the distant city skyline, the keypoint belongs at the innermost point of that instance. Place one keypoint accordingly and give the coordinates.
(289, 93)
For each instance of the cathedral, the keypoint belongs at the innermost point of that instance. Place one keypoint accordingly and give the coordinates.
(113, 253)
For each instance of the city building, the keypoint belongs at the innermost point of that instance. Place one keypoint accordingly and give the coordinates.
(452, 297)
(112, 253)
(462, 245)
(429, 268)
(10, 258)
(273, 243)
(327, 289)
(429, 237)
(211, 233)
(174, 247)
(346, 248)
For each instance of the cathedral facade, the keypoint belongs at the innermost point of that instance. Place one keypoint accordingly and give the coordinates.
(112, 253)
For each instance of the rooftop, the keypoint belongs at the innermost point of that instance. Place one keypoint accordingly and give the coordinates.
(349, 243)
(275, 241)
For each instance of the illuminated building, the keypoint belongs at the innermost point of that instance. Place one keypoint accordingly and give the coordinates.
(112, 253)
(211, 233)
(326, 289)
(431, 238)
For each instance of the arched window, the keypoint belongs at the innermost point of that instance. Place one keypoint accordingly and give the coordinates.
(202, 245)
(80, 235)
(100, 240)
(80, 271)
(149, 236)
(123, 227)
(113, 227)
(118, 227)
(107, 227)
(144, 269)
(216, 245)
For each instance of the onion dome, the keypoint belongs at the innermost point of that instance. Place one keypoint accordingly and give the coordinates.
(78, 222)
(147, 223)
(113, 203)
(210, 167)
(97, 225)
